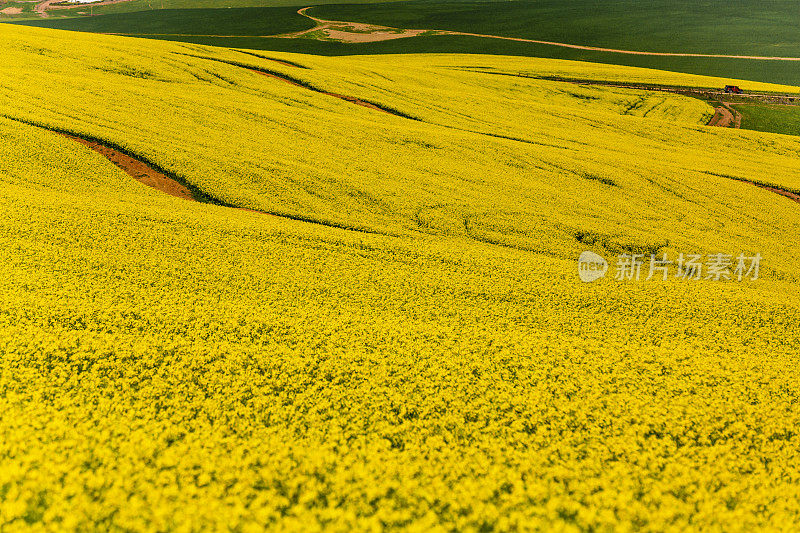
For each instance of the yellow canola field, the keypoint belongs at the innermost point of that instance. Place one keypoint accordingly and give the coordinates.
(172, 365)
(517, 161)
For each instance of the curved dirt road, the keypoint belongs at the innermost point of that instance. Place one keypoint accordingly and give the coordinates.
(351, 32)
(726, 117)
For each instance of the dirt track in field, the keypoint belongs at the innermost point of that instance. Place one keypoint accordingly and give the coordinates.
(350, 32)
(726, 117)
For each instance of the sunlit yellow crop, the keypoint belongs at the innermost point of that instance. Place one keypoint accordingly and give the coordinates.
(173, 365)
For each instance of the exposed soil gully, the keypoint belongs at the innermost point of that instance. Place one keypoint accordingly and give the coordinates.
(298, 83)
(351, 99)
(148, 174)
(138, 170)
(151, 175)
(792, 195)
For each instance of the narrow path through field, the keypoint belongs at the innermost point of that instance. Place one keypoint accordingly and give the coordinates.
(726, 117)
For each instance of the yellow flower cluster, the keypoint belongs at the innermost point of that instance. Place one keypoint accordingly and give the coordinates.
(172, 365)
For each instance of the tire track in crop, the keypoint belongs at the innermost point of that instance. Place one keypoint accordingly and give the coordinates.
(729, 117)
(365, 103)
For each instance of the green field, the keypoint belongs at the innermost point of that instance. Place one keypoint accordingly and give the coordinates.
(731, 69)
(142, 5)
(133, 6)
(233, 21)
(749, 28)
(773, 118)
(743, 27)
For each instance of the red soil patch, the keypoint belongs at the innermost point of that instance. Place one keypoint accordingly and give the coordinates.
(787, 194)
(138, 170)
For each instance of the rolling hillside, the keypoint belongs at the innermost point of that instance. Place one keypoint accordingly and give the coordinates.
(371, 316)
